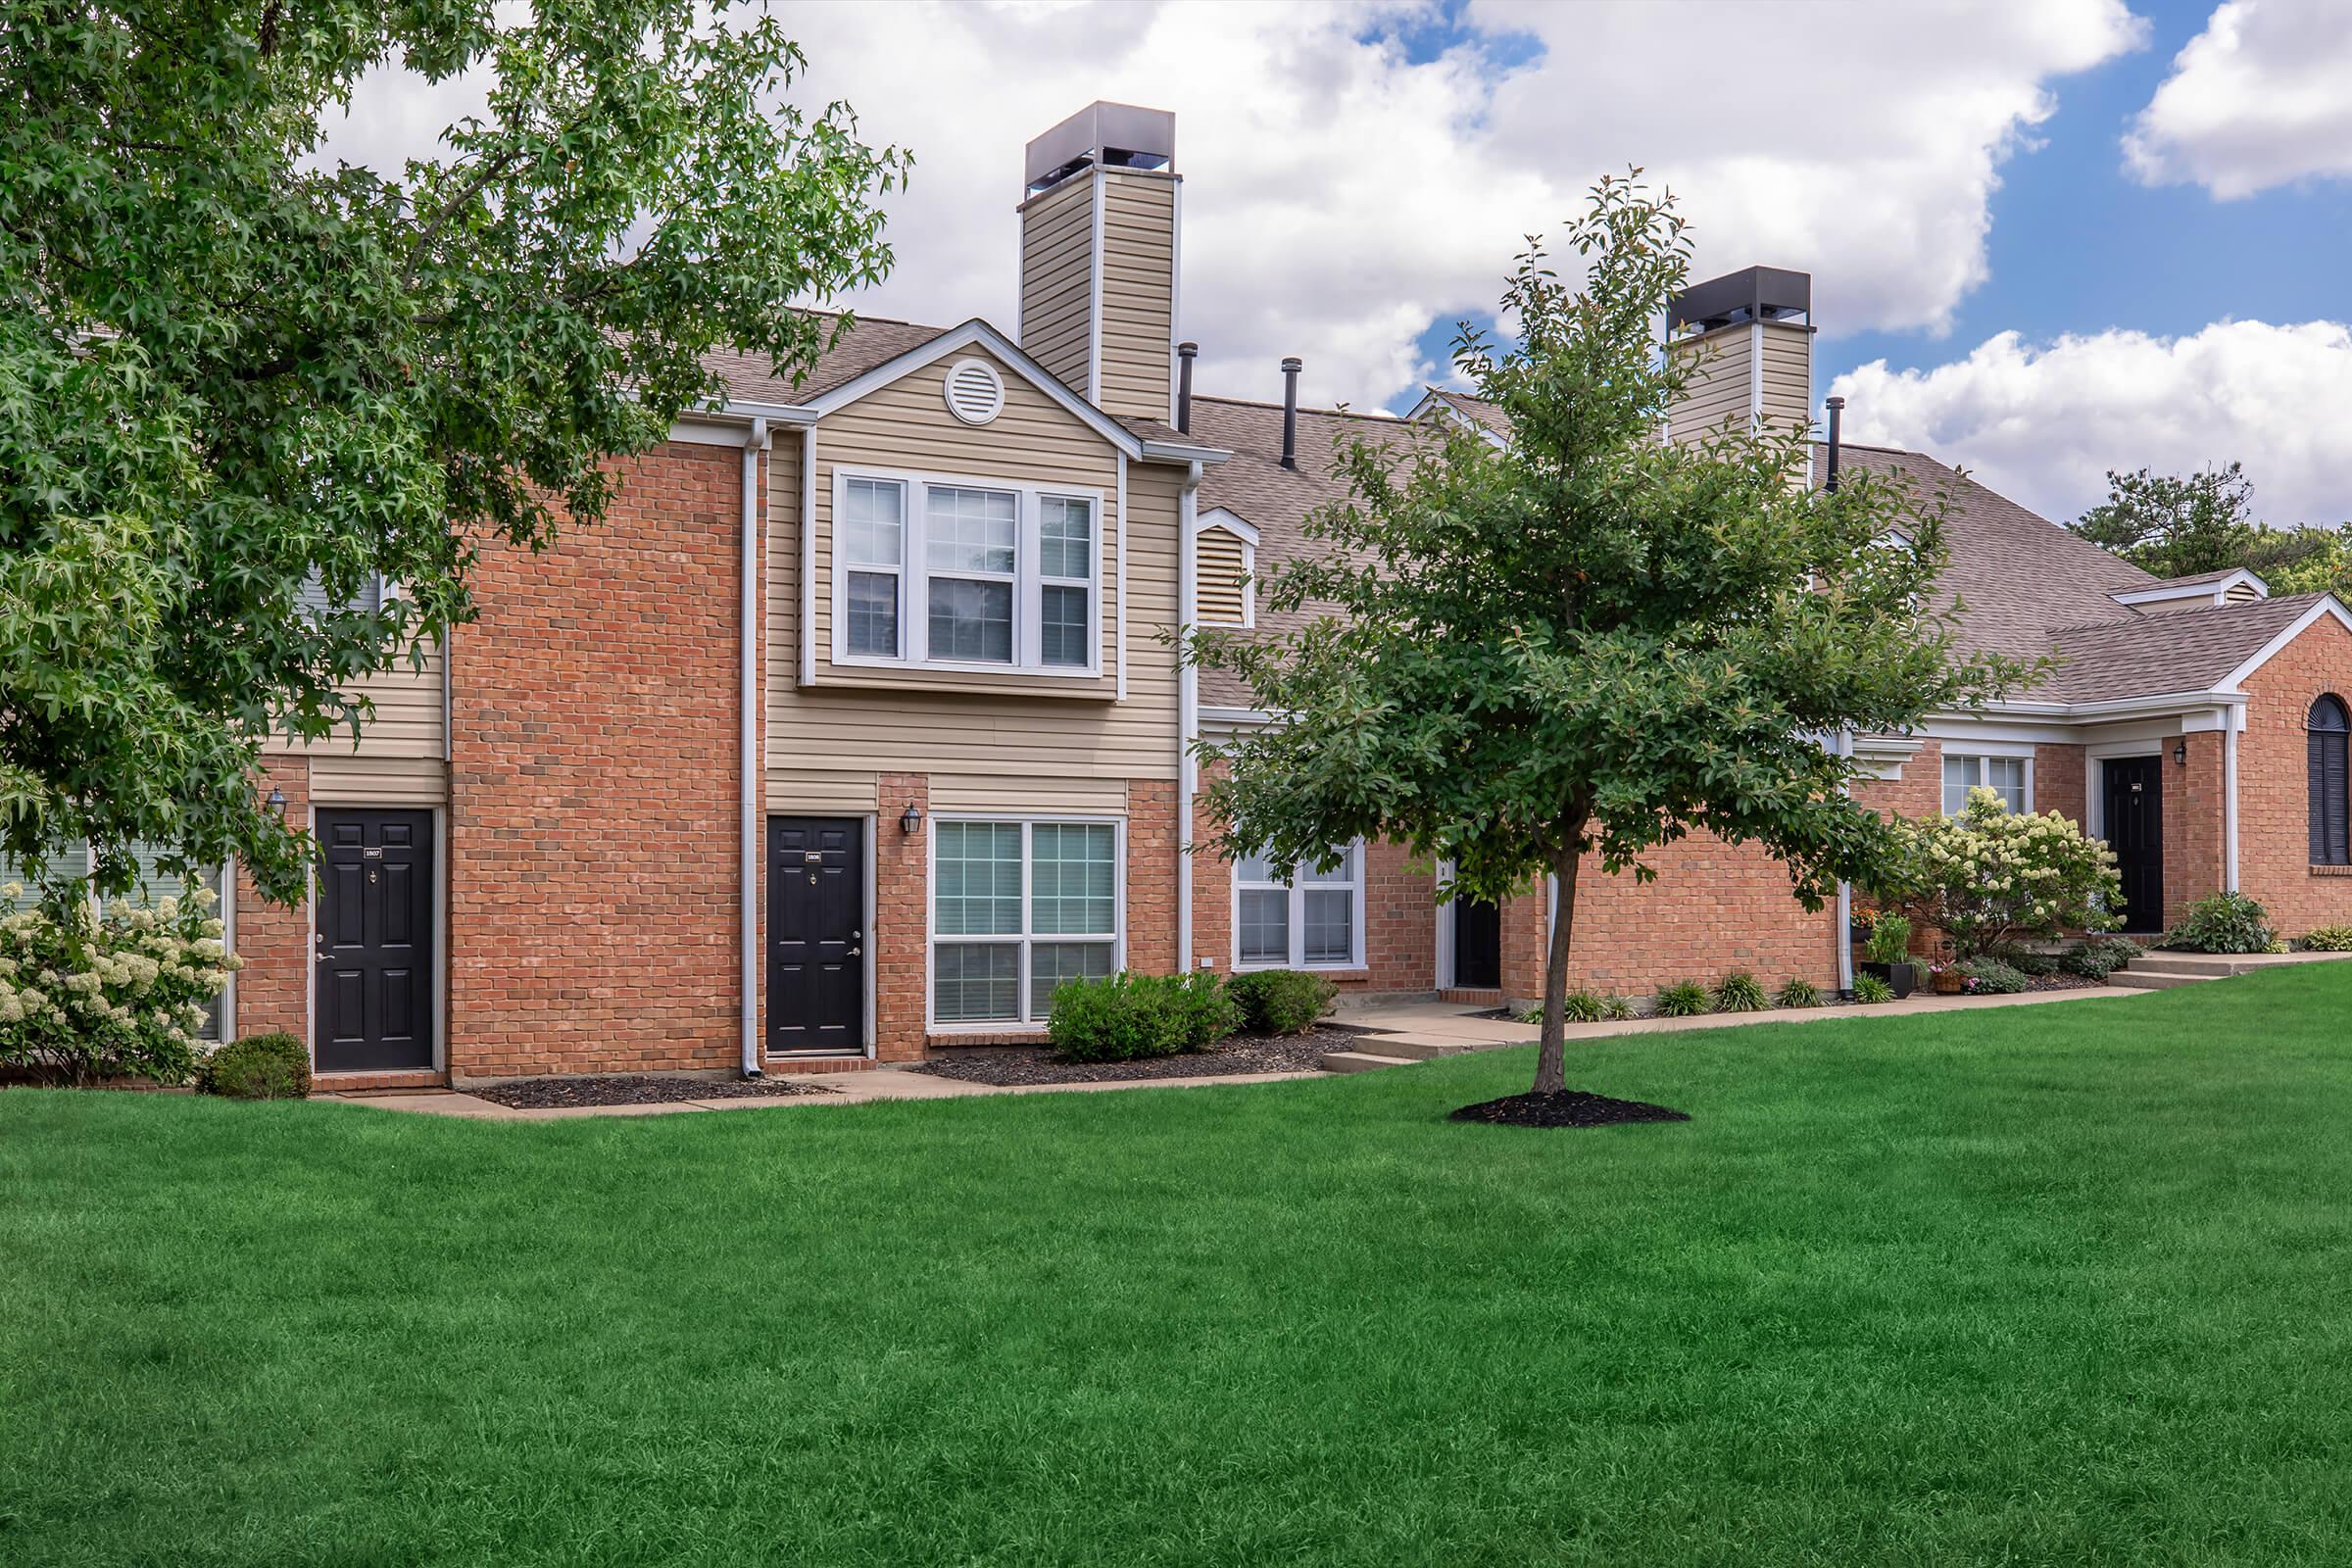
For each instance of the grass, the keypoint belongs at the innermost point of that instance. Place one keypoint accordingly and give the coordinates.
(2053, 1285)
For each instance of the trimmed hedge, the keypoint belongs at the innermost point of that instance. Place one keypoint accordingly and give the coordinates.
(1281, 1001)
(1129, 1016)
(272, 1066)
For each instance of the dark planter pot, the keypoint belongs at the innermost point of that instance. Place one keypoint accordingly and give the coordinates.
(1902, 978)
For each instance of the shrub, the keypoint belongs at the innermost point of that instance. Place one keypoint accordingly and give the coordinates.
(272, 1066)
(1281, 1001)
(1799, 994)
(1890, 940)
(2330, 938)
(1869, 989)
(84, 998)
(1685, 998)
(1740, 992)
(2026, 962)
(1129, 1016)
(1988, 976)
(1991, 876)
(2226, 922)
(1586, 1006)
(2100, 956)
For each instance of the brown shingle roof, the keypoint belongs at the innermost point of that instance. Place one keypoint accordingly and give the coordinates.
(2149, 656)
(867, 342)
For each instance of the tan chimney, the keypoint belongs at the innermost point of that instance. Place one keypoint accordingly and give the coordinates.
(1747, 342)
(1098, 212)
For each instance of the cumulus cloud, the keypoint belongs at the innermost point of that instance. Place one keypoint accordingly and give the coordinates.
(2042, 423)
(2258, 99)
(1342, 190)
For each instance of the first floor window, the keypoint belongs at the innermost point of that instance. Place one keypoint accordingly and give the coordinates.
(2329, 737)
(2005, 774)
(153, 885)
(1297, 918)
(1018, 909)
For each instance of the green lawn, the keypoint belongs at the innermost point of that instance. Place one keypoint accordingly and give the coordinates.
(2052, 1285)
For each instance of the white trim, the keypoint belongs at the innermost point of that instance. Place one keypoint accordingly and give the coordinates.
(1240, 527)
(2329, 605)
(1025, 938)
(1980, 751)
(2238, 722)
(1233, 522)
(1175, 284)
(1028, 584)
(1094, 294)
(1755, 375)
(2094, 776)
(440, 938)
(805, 671)
(228, 944)
(865, 930)
(1295, 916)
(1442, 964)
(1118, 529)
(1884, 754)
(1188, 711)
(751, 673)
(1159, 449)
(973, 333)
(2215, 592)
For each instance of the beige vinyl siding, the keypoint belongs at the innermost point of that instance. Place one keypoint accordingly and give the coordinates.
(1058, 240)
(378, 781)
(1221, 595)
(1719, 387)
(1138, 305)
(865, 721)
(1015, 791)
(818, 792)
(408, 715)
(1787, 375)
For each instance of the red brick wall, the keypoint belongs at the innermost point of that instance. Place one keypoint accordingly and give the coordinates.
(2060, 781)
(274, 987)
(594, 907)
(2273, 823)
(1152, 875)
(2192, 823)
(902, 919)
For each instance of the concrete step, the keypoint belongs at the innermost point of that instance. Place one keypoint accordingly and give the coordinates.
(2156, 979)
(1359, 1061)
(1416, 1048)
(2204, 965)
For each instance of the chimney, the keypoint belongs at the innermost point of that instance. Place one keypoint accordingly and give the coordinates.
(1099, 208)
(1745, 341)
(1290, 411)
(1836, 408)
(1186, 353)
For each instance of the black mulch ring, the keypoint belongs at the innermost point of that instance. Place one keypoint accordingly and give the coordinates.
(1569, 1107)
(629, 1089)
(1013, 1065)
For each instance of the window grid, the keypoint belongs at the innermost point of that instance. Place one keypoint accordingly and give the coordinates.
(1018, 907)
(2328, 738)
(874, 544)
(2006, 775)
(1301, 917)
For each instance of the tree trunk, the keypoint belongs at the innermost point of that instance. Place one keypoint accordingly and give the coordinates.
(1551, 1056)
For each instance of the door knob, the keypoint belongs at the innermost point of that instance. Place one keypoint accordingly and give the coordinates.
(853, 953)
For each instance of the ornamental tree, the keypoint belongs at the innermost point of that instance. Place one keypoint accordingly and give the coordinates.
(1991, 876)
(1565, 652)
(229, 366)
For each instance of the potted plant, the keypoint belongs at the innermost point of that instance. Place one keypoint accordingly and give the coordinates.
(1888, 954)
(1945, 978)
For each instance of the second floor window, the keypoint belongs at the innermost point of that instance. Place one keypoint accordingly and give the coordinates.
(938, 572)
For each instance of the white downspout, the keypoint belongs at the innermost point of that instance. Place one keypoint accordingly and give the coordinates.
(2232, 720)
(747, 802)
(1846, 897)
(1187, 710)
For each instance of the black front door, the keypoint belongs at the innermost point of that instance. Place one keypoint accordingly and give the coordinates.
(816, 933)
(373, 1005)
(1477, 944)
(2135, 807)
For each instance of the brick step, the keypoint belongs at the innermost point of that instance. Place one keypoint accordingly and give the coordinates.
(2156, 979)
(1415, 1047)
(1359, 1061)
(1470, 997)
(345, 1083)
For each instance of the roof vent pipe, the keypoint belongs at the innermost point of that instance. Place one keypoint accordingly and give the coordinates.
(1836, 407)
(1289, 409)
(1185, 353)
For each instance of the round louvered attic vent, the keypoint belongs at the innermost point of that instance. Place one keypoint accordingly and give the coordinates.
(975, 392)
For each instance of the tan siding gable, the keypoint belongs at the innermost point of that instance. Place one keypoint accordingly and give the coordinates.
(1058, 281)
(1138, 307)
(1222, 596)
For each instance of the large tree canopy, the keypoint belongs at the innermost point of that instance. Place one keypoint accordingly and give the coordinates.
(229, 367)
(1587, 638)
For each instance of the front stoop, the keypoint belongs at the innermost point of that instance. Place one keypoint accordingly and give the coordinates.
(2161, 971)
(347, 1083)
(1359, 1061)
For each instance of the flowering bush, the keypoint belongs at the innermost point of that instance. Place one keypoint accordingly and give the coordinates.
(1991, 876)
(84, 998)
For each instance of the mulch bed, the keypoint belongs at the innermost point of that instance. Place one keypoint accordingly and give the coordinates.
(1011, 1067)
(2061, 981)
(557, 1094)
(1569, 1107)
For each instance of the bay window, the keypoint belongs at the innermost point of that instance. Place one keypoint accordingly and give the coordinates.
(966, 574)
(1301, 917)
(2003, 774)
(1017, 908)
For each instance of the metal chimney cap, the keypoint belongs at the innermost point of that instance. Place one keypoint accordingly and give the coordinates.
(1188, 350)
(1111, 136)
(1752, 294)
(1293, 364)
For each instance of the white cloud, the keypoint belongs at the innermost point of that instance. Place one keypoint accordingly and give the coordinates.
(1339, 194)
(2257, 99)
(2042, 423)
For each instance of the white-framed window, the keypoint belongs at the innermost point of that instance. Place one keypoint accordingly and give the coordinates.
(1018, 906)
(153, 885)
(1286, 917)
(2012, 776)
(940, 572)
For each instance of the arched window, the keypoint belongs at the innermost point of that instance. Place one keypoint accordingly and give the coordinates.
(2330, 796)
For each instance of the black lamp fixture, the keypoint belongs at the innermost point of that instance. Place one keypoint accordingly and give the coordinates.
(2181, 753)
(910, 820)
(278, 802)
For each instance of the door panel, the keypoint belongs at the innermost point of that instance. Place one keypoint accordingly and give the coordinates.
(2133, 789)
(816, 934)
(1477, 944)
(375, 949)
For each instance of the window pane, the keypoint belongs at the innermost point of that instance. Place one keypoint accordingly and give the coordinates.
(975, 982)
(979, 872)
(1265, 926)
(1343, 872)
(1330, 926)
(1062, 626)
(1065, 538)
(970, 531)
(1074, 866)
(1257, 868)
(971, 619)
(72, 862)
(1052, 962)
(2008, 775)
(874, 613)
(874, 522)
(1959, 772)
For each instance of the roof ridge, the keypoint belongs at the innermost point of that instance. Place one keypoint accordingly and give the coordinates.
(1383, 416)
(2202, 612)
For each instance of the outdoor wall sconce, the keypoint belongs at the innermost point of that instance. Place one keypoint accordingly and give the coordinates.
(911, 820)
(278, 802)
(2181, 753)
